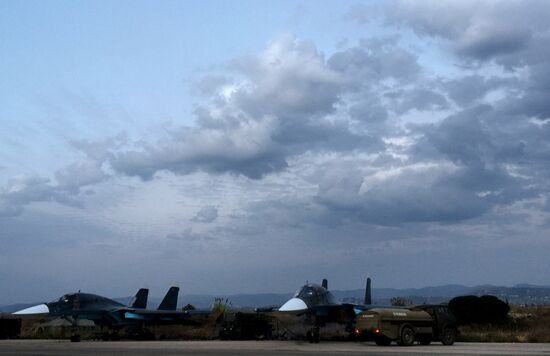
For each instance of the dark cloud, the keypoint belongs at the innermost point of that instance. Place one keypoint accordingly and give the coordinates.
(373, 61)
(460, 168)
(66, 190)
(477, 30)
(24, 190)
(421, 193)
(485, 136)
(99, 150)
(282, 104)
(422, 99)
(289, 79)
(425, 196)
(371, 111)
(472, 89)
(207, 214)
(77, 175)
(484, 43)
(290, 101)
(496, 150)
(246, 148)
(534, 89)
(462, 138)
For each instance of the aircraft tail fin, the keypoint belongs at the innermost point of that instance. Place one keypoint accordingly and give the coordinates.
(170, 300)
(368, 297)
(140, 300)
(325, 283)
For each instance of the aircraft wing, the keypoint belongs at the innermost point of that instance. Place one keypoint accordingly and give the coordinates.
(154, 317)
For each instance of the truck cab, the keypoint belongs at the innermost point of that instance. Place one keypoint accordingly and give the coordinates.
(444, 329)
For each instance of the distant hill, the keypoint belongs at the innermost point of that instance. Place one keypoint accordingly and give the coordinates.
(387, 293)
(518, 294)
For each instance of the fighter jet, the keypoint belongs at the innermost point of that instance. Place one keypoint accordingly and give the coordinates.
(318, 306)
(114, 315)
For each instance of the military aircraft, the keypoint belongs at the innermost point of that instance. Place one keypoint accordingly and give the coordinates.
(114, 315)
(318, 306)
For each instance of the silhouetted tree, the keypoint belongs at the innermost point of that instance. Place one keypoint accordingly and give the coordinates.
(485, 309)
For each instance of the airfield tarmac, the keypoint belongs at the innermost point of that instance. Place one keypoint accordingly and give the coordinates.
(118, 348)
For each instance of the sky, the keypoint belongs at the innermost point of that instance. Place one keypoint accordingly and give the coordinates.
(247, 146)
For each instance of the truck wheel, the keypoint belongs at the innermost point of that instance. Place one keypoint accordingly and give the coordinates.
(316, 336)
(382, 340)
(310, 335)
(448, 336)
(407, 336)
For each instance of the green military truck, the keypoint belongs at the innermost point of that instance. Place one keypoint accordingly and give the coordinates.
(406, 326)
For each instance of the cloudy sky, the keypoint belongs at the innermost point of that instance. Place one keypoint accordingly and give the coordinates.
(250, 146)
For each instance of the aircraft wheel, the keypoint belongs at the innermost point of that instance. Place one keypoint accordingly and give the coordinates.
(309, 336)
(40, 332)
(448, 336)
(407, 336)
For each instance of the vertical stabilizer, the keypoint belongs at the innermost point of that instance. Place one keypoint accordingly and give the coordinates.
(170, 300)
(140, 300)
(368, 298)
(325, 283)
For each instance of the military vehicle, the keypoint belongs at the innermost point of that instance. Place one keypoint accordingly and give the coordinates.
(407, 325)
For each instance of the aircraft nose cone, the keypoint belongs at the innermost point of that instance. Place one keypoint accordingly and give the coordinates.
(293, 304)
(37, 309)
